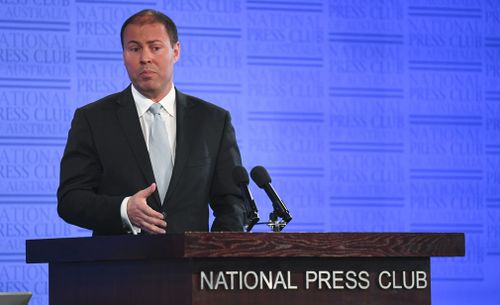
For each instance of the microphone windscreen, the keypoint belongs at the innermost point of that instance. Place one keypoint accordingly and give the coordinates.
(260, 176)
(240, 175)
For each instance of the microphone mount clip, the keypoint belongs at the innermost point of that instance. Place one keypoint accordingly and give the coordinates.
(275, 223)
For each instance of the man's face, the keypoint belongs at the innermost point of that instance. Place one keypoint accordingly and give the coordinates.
(149, 58)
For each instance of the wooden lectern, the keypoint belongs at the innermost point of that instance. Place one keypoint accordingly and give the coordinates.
(243, 268)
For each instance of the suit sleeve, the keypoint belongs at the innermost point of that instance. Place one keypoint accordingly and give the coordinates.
(78, 200)
(225, 196)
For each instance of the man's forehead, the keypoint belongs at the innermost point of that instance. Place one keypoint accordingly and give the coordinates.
(144, 32)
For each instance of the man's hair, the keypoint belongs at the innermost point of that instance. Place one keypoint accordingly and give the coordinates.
(149, 16)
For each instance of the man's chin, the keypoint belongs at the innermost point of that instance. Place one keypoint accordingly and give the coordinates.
(148, 91)
(144, 89)
(146, 85)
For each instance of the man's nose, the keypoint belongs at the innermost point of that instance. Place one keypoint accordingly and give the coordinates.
(145, 56)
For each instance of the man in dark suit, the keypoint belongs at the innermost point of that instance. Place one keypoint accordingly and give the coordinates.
(109, 181)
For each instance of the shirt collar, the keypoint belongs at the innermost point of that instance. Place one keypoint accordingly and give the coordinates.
(143, 103)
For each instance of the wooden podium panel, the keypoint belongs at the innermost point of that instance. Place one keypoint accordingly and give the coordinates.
(243, 268)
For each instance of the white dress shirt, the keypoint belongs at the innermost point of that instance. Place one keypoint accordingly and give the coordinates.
(168, 114)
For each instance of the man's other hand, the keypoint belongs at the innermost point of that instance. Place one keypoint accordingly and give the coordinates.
(142, 215)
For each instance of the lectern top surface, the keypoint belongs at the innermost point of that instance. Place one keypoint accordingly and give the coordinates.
(194, 245)
(15, 298)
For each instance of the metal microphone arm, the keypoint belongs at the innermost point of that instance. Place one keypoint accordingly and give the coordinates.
(252, 212)
(240, 177)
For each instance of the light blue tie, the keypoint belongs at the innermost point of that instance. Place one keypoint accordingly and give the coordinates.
(159, 151)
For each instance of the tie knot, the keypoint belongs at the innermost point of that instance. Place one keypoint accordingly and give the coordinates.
(155, 108)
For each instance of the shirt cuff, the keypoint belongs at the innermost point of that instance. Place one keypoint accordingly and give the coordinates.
(125, 220)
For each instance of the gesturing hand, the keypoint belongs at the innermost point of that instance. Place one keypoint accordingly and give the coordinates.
(142, 215)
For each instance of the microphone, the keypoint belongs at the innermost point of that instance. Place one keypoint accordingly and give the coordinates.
(240, 177)
(263, 180)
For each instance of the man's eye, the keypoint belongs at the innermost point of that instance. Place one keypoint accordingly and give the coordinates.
(133, 49)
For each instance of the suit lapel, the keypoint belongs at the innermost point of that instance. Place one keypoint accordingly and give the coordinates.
(184, 133)
(129, 121)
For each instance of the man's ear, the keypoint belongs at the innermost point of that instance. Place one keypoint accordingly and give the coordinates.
(177, 51)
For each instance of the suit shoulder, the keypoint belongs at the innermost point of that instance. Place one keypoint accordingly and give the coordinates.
(102, 104)
(203, 105)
